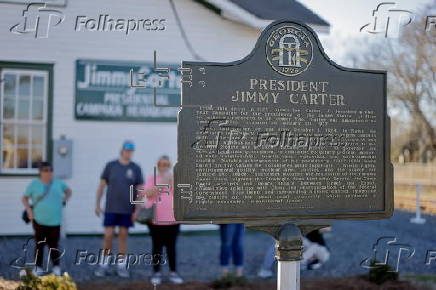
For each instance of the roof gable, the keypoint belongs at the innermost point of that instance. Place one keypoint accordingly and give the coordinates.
(260, 13)
(280, 9)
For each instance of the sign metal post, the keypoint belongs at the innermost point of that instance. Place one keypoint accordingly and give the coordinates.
(289, 247)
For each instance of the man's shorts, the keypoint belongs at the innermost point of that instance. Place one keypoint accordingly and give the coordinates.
(117, 219)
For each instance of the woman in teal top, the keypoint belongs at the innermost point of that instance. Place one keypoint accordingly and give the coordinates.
(46, 215)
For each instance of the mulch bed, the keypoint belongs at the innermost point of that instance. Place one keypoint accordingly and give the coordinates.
(348, 283)
(355, 283)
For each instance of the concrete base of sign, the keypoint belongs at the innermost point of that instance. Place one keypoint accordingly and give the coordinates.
(417, 220)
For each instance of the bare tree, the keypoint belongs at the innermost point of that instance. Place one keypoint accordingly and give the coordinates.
(411, 64)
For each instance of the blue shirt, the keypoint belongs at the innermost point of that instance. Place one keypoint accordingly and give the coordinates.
(48, 211)
(119, 177)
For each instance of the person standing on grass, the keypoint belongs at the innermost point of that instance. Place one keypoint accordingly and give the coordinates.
(163, 228)
(48, 196)
(118, 176)
(232, 239)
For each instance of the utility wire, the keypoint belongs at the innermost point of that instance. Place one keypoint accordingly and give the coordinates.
(183, 33)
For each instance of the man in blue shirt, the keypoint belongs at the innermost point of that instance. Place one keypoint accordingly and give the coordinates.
(118, 175)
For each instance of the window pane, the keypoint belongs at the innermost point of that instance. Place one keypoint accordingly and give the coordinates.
(37, 135)
(36, 156)
(9, 85)
(38, 86)
(8, 136)
(24, 87)
(22, 154)
(23, 109)
(23, 134)
(8, 157)
(9, 109)
(23, 102)
(37, 109)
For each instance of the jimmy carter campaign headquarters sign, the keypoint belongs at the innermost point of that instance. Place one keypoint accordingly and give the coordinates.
(104, 92)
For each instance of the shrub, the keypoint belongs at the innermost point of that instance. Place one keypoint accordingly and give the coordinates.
(381, 273)
(48, 282)
(228, 281)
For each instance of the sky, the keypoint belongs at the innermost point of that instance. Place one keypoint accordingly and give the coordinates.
(346, 17)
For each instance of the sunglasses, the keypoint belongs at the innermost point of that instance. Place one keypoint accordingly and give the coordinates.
(46, 170)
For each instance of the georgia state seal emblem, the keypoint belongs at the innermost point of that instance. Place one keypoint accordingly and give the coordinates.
(289, 50)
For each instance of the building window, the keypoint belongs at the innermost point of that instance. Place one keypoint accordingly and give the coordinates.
(23, 119)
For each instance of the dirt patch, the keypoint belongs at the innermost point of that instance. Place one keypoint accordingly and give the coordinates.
(348, 283)
(6, 285)
(355, 283)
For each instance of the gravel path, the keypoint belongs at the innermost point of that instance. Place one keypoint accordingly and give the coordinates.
(350, 242)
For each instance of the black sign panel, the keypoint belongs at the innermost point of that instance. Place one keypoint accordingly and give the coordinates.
(283, 134)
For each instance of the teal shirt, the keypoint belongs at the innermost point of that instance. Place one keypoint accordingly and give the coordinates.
(48, 212)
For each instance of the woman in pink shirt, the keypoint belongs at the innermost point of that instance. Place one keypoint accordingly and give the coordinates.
(163, 229)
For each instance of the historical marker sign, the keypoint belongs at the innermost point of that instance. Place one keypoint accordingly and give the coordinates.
(283, 134)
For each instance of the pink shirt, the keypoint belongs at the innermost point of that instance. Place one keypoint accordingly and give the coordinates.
(163, 211)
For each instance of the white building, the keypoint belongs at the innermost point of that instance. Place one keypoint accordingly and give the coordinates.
(65, 71)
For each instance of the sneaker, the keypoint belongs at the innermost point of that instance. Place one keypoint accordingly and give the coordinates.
(156, 279)
(38, 271)
(239, 271)
(101, 271)
(224, 271)
(123, 272)
(264, 274)
(57, 271)
(175, 278)
(22, 274)
(314, 265)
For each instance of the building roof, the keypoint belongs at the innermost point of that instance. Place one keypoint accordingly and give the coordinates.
(280, 9)
(260, 13)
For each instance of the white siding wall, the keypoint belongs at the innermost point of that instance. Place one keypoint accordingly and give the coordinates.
(96, 142)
